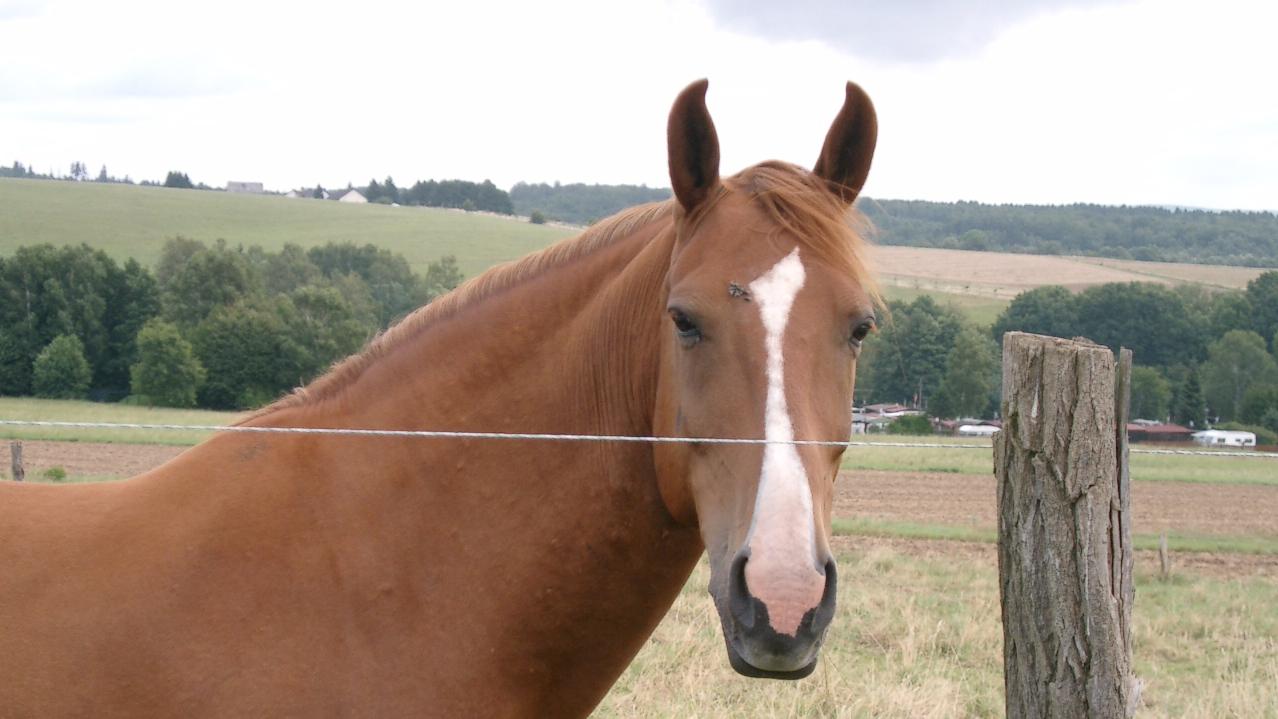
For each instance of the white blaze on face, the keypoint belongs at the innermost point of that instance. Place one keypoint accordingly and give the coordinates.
(781, 571)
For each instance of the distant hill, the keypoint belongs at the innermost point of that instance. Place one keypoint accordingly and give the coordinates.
(1152, 234)
(133, 221)
(1127, 233)
(581, 204)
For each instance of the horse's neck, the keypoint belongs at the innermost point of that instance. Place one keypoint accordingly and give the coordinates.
(554, 558)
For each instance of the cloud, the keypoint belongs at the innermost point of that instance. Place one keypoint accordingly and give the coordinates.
(162, 81)
(20, 9)
(901, 31)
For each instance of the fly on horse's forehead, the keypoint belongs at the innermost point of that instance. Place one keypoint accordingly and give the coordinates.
(307, 575)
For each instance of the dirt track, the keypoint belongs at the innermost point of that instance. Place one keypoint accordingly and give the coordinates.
(1236, 510)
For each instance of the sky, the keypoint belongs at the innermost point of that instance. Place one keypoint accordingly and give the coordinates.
(1157, 102)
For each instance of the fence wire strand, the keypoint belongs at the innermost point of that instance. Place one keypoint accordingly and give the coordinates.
(533, 436)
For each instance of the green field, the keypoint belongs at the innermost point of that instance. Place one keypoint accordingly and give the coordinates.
(981, 310)
(1261, 469)
(920, 637)
(132, 221)
(58, 410)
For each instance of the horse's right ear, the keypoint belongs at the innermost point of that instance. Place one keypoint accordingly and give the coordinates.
(693, 146)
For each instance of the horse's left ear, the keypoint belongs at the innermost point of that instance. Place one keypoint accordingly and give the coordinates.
(849, 146)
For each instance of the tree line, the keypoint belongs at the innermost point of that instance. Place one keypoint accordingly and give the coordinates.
(578, 203)
(457, 194)
(1136, 233)
(1201, 357)
(212, 326)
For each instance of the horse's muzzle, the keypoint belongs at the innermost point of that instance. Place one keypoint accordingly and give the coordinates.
(755, 649)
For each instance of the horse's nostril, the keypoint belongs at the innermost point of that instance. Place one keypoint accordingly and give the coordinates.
(739, 599)
(825, 610)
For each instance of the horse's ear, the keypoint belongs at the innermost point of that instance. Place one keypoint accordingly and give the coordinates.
(849, 146)
(693, 146)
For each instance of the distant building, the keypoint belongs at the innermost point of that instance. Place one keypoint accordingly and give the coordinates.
(1143, 430)
(254, 188)
(977, 430)
(353, 196)
(308, 193)
(1225, 438)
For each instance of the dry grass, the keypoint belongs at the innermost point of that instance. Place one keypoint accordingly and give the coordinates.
(921, 637)
(1222, 276)
(1004, 275)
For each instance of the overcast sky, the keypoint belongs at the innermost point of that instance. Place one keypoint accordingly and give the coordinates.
(1041, 101)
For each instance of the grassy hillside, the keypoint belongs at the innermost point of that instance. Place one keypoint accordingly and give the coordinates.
(132, 221)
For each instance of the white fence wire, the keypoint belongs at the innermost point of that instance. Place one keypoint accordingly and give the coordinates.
(531, 436)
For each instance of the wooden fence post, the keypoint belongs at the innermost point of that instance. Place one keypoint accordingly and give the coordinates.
(1064, 548)
(15, 461)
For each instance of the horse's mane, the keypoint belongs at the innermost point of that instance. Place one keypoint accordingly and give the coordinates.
(797, 200)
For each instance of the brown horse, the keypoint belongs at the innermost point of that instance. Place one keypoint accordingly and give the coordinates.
(294, 575)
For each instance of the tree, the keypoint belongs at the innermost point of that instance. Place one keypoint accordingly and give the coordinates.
(178, 180)
(214, 277)
(325, 326)
(1049, 310)
(318, 192)
(442, 276)
(1188, 407)
(971, 376)
(1235, 363)
(47, 291)
(167, 372)
(908, 357)
(132, 298)
(61, 371)
(1150, 320)
(1229, 311)
(1259, 401)
(1262, 292)
(249, 355)
(394, 288)
(103, 176)
(1151, 394)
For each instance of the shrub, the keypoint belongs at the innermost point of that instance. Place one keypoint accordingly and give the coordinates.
(910, 424)
(167, 372)
(537, 218)
(54, 474)
(61, 371)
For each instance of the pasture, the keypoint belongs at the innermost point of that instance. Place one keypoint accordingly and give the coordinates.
(1002, 276)
(917, 632)
(132, 221)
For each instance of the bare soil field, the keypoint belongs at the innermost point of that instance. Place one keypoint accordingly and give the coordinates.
(924, 497)
(89, 459)
(1225, 509)
(1005, 275)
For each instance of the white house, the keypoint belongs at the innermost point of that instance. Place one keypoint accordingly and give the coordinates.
(253, 188)
(353, 196)
(1225, 438)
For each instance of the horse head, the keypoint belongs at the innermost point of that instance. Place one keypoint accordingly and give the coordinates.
(768, 302)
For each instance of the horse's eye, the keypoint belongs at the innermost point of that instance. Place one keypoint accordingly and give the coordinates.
(861, 331)
(686, 328)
